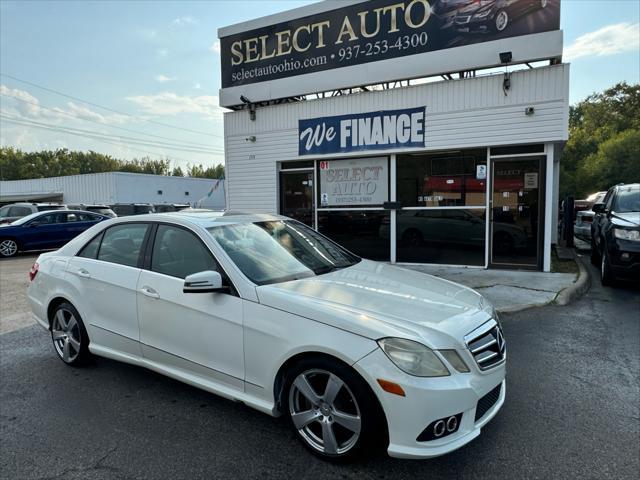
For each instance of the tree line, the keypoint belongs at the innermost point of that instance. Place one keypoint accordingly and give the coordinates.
(604, 142)
(16, 164)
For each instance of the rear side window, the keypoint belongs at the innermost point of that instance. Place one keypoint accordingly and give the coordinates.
(121, 244)
(19, 211)
(90, 250)
(178, 253)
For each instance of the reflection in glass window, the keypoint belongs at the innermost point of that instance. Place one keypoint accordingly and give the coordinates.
(121, 244)
(442, 179)
(363, 232)
(178, 253)
(447, 236)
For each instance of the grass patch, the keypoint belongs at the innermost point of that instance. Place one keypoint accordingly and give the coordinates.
(560, 266)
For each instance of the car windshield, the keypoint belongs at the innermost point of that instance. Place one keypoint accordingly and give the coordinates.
(42, 208)
(280, 250)
(627, 200)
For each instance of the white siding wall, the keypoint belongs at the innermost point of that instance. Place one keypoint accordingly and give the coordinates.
(119, 187)
(471, 112)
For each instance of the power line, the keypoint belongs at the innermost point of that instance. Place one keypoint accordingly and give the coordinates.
(27, 82)
(94, 134)
(62, 112)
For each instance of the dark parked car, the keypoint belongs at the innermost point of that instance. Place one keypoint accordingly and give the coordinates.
(11, 213)
(101, 209)
(45, 230)
(615, 233)
(126, 209)
(170, 207)
(493, 15)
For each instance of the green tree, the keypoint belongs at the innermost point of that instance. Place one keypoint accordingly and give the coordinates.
(600, 120)
(177, 172)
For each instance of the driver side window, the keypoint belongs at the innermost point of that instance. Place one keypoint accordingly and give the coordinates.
(178, 252)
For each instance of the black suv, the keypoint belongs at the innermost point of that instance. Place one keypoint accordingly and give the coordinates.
(615, 234)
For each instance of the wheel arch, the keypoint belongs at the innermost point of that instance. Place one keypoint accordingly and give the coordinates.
(55, 303)
(281, 379)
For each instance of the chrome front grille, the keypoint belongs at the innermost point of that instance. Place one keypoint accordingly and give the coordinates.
(487, 345)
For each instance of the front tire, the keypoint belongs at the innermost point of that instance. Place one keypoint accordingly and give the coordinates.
(332, 410)
(69, 336)
(8, 247)
(606, 275)
(501, 21)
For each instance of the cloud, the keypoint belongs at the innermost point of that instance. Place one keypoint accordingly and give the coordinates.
(169, 103)
(22, 104)
(164, 79)
(215, 47)
(608, 40)
(162, 52)
(184, 21)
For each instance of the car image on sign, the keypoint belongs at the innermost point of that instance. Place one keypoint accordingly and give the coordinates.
(265, 310)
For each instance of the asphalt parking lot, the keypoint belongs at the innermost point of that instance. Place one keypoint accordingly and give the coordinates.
(571, 412)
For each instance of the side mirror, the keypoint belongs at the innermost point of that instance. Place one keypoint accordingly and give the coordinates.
(204, 282)
(598, 208)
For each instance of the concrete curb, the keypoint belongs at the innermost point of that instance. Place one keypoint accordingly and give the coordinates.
(578, 288)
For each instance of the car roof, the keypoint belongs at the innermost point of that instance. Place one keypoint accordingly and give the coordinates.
(205, 218)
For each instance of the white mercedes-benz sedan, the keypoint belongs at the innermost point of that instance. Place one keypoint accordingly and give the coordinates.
(265, 310)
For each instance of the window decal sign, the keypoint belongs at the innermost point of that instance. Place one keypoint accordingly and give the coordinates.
(383, 130)
(354, 182)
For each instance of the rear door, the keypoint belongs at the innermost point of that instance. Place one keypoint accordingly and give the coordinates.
(199, 333)
(105, 276)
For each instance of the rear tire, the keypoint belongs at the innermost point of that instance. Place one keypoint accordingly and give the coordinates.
(332, 409)
(595, 255)
(8, 247)
(69, 336)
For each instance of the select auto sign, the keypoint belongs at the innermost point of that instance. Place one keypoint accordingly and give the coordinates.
(382, 130)
(372, 31)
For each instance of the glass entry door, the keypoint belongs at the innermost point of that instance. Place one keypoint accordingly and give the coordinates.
(517, 188)
(296, 196)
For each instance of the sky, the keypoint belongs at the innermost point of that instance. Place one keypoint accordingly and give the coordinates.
(141, 78)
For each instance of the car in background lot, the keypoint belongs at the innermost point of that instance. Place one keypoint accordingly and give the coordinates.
(101, 209)
(11, 213)
(615, 234)
(45, 230)
(584, 215)
(170, 207)
(493, 15)
(264, 310)
(127, 209)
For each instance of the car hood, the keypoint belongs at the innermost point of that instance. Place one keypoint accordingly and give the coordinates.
(626, 219)
(377, 300)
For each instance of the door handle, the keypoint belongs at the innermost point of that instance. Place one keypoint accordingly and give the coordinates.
(83, 273)
(149, 292)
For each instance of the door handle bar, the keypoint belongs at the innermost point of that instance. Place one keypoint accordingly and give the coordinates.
(149, 292)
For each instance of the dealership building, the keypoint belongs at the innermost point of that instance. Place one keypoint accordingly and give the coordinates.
(459, 168)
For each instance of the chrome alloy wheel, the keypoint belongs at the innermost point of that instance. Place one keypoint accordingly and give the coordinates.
(8, 248)
(66, 335)
(502, 19)
(330, 421)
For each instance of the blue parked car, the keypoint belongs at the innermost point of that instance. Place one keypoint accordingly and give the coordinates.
(45, 230)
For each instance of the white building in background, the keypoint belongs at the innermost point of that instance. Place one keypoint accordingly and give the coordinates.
(117, 187)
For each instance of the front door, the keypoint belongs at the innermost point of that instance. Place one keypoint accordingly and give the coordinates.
(296, 196)
(197, 333)
(517, 188)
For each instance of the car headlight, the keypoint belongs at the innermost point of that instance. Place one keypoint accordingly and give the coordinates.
(633, 235)
(413, 357)
(482, 14)
(455, 360)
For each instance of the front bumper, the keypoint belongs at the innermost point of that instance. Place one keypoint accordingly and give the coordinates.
(624, 258)
(429, 399)
(469, 23)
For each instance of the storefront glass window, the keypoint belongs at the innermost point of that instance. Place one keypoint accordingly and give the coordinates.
(446, 236)
(363, 232)
(448, 179)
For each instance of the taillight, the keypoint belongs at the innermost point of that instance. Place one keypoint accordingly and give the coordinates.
(34, 271)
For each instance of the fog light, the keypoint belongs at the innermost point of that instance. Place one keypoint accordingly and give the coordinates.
(625, 256)
(438, 428)
(452, 424)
